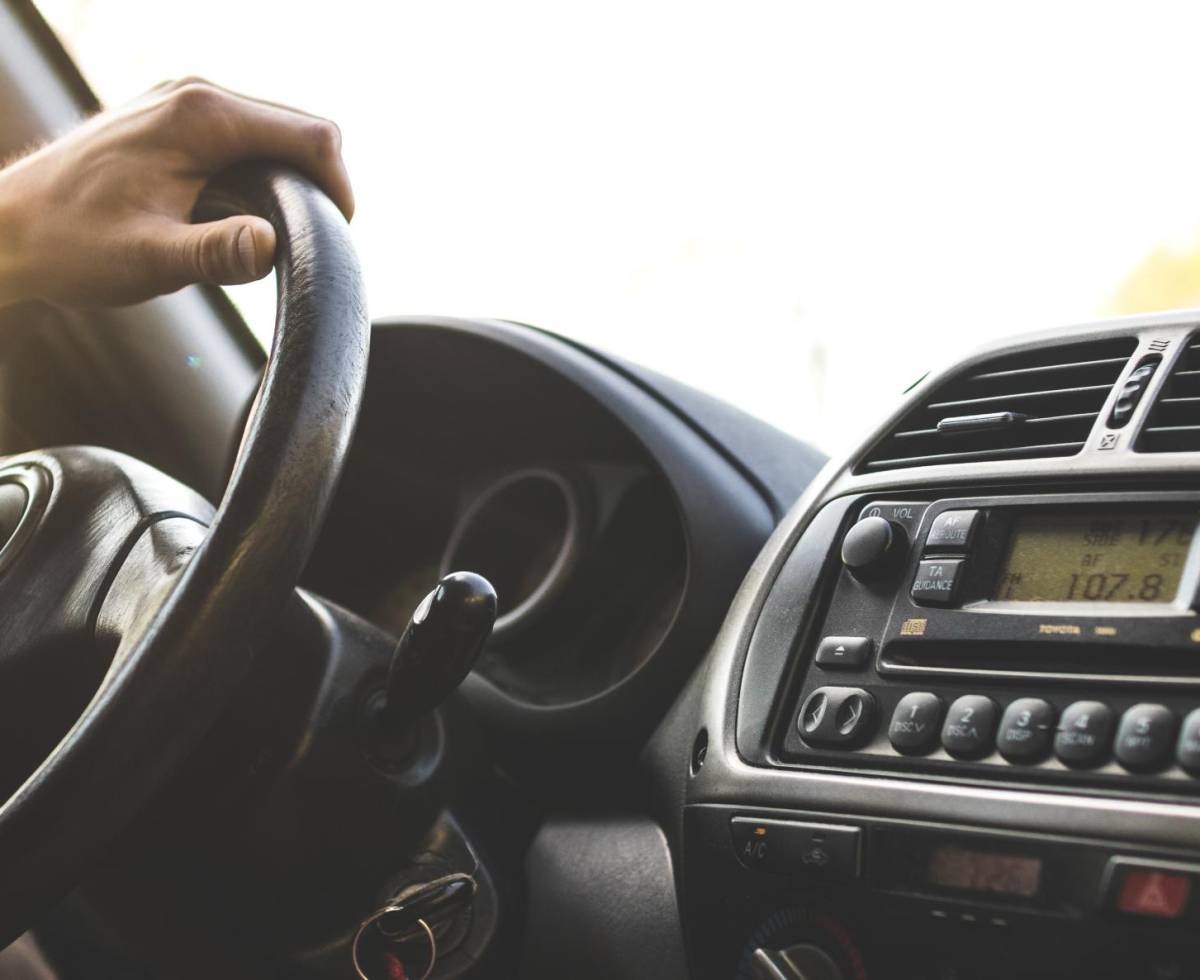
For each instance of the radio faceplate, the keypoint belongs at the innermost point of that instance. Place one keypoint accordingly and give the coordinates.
(1102, 688)
(969, 632)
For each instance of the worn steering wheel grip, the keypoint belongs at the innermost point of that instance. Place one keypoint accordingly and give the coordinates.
(174, 676)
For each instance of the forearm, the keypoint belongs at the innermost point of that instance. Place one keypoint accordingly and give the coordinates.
(14, 285)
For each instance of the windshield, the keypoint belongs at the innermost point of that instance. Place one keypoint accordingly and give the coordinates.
(799, 208)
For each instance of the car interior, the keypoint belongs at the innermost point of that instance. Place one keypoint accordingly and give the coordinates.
(437, 647)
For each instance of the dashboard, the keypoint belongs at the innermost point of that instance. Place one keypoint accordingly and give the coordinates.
(927, 712)
(952, 723)
(613, 523)
(949, 726)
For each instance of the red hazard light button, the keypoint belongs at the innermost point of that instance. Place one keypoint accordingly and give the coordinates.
(1161, 894)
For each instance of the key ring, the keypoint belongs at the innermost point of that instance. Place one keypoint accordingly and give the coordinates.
(374, 918)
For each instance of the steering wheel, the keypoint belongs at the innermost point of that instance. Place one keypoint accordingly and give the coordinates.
(128, 608)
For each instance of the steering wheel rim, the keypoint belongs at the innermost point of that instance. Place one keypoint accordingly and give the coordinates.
(177, 665)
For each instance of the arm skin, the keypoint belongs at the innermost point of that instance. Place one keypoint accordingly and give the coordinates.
(100, 217)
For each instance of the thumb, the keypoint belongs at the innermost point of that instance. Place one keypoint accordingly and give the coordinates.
(226, 252)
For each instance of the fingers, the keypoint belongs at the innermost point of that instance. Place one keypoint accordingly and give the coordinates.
(223, 128)
(226, 252)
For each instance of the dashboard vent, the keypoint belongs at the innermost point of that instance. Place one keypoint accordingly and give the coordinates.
(1173, 425)
(1037, 403)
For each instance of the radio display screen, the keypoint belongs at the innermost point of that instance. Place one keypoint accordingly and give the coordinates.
(1127, 557)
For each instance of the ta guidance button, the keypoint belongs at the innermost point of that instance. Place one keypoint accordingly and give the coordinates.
(937, 581)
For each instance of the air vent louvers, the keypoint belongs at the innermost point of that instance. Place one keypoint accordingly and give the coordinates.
(1038, 403)
(1173, 425)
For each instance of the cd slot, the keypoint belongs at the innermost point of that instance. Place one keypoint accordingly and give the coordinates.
(1099, 662)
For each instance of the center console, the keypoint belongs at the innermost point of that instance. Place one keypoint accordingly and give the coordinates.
(955, 725)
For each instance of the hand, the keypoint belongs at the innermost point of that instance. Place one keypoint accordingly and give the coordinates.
(100, 217)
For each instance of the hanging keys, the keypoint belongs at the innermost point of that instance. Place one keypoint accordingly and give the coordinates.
(400, 940)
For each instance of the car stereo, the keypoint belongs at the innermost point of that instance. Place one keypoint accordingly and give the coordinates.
(1040, 636)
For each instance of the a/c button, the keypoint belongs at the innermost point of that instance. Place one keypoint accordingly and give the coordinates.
(790, 847)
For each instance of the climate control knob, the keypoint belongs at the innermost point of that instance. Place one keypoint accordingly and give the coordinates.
(803, 961)
(873, 546)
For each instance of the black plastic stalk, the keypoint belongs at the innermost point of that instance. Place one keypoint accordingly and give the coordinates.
(438, 648)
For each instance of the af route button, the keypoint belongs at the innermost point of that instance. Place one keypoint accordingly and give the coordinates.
(952, 530)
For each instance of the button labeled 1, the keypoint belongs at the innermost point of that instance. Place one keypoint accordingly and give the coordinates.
(914, 727)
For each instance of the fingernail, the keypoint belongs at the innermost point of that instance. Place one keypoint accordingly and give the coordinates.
(246, 253)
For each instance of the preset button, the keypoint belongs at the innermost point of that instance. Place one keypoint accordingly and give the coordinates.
(970, 725)
(1187, 752)
(1145, 737)
(1026, 730)
(915, 722)
(1084, 736)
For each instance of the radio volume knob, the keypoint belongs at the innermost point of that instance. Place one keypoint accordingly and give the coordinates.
(873, 546)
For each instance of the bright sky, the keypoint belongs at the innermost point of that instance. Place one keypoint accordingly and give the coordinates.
(799, 207)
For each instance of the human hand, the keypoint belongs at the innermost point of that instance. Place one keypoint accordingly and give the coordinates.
(100, 217)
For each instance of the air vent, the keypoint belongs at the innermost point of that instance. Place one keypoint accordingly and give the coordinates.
(1173, 425)
(1034, 404)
